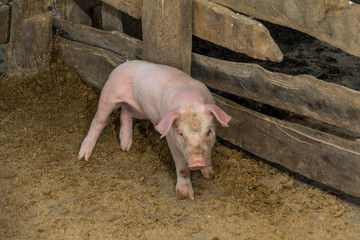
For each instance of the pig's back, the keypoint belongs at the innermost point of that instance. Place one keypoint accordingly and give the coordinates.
(159, 88)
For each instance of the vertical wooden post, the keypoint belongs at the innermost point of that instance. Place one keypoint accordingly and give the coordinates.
(167, 32)
(29, 47)
(4, 26)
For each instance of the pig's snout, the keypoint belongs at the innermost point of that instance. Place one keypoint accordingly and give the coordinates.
(197, 163)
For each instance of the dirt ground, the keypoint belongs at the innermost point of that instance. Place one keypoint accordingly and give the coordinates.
(46, 193)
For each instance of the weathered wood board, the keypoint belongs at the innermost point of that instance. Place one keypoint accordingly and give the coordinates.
(29, 47)
(130, 7)
(336, 22)
(223, 27)
(320, 156)
(71, 11)
(5, 24)
(113, 41)
(111, 18)
(220, 25)
(167, 32)
(92, 63)
(303, 94)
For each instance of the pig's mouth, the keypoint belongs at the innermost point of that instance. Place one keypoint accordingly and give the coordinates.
(191, 167)
(197, 164)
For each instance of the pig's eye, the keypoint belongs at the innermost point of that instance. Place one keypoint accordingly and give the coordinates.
(209, 132)
(180, 134)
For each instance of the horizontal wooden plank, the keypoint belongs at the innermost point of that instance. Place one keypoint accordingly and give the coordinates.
(115, 41)
(334, 22)
(92, 63)
(320, 156)
(303, 94)
(130, 7)
(220, 25)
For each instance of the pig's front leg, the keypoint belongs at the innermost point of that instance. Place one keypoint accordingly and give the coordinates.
(207, 172)
(183, 188)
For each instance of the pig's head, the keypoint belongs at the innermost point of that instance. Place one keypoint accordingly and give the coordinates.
(193, 130)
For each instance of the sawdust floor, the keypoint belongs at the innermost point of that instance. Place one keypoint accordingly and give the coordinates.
(46, 193)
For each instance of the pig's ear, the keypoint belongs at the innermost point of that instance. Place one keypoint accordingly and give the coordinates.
(219, 114)
(164, 125)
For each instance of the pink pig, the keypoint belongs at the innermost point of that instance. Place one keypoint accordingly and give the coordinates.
(182, 109)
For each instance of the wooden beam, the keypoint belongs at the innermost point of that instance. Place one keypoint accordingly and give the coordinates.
(29, 47)
(92, 63)
(5, 23)
(320, 156)
(110, 18)
(335, 22)
(303, 94)
(220, 25)
(167, 32)
(113, 41)
(71, 11)
(130, 7)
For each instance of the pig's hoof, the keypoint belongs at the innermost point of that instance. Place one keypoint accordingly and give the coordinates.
(207, 172)
(86, 150)
(126, 144)
(184, 191)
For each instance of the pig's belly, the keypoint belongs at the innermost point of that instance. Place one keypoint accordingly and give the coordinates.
(133, 112)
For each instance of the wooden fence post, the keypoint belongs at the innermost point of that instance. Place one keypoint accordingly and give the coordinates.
(29, 47)
(167, 32)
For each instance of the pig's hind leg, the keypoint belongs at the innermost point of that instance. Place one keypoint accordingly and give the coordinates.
(126, 122)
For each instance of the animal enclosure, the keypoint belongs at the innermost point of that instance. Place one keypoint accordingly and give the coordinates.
(288, 72)
(323, 145)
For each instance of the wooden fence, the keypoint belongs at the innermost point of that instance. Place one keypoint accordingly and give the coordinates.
(167, 29)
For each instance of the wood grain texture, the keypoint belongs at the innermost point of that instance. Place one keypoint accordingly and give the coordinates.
(220, 25)
(110, 18)
(130, 7)
(92, 63)
(115, 41)
(303, 94)
(29, 47)
(328, 159)
(71, 10)
(336, 22)
(167, 32)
